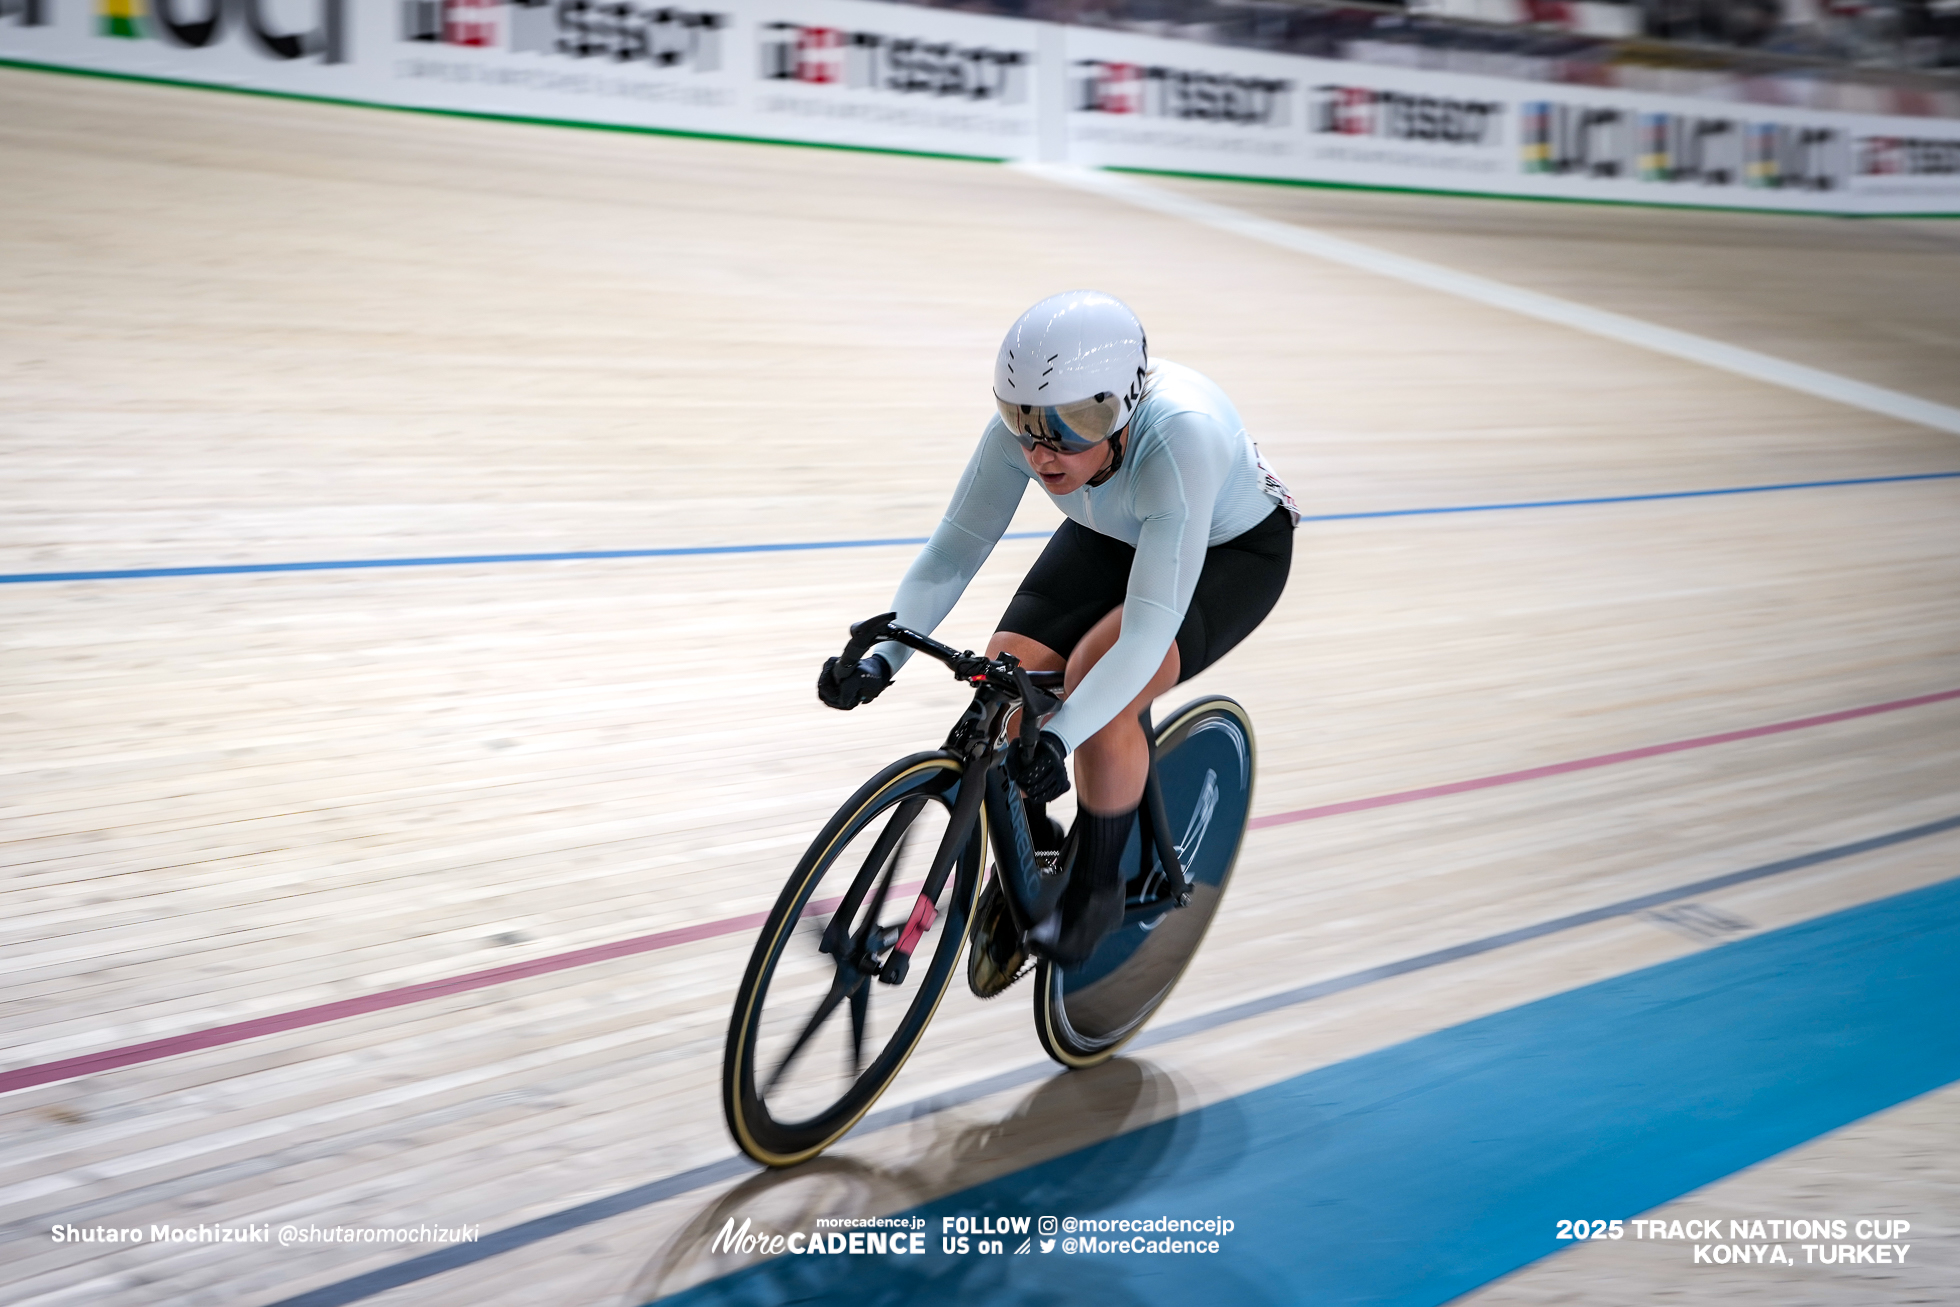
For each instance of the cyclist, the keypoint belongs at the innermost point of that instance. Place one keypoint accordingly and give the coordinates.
(1177, 544)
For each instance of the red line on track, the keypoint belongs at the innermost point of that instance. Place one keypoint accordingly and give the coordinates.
(1586, 764)
(216, 1036)
(112, 1058)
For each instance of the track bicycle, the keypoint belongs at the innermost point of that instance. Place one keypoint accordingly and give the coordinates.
(878, 909)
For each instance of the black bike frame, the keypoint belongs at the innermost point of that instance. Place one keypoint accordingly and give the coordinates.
(1001, 685)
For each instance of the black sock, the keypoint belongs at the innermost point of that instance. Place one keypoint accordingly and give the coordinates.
(1092, 905)
(1098, 863)
(1044, 830)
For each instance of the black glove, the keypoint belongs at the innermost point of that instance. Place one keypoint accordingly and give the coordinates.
(1044, 778)
(845, 687)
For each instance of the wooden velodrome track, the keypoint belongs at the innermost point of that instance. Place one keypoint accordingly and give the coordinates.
(244, 331)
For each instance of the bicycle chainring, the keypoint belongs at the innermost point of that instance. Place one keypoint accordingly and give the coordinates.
(996, 956)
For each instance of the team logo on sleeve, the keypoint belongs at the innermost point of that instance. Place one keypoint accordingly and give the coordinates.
(1274, 487)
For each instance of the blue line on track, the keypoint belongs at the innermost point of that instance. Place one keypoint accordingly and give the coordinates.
(511, 1238)
(460, 560)
(691, 551)
(1409, 1176)
(1629, 499)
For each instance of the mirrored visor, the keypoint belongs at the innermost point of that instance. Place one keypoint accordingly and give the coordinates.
(1070, 428)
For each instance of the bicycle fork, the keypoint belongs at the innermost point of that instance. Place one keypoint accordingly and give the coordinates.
(959, 829)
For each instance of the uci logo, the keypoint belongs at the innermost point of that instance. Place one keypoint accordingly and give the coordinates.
(194, 24)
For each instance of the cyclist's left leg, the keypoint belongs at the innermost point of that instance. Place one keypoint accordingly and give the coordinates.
(1241, 581)
(1112, 764)
(1111, 767)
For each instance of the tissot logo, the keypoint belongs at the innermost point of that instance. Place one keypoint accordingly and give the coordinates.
(832, 56)
(1154, 91)
(195, 24)
(1908, 156)
(620, 31)
(1366, 111)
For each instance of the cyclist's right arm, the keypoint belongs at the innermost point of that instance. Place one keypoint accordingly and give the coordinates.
(983, 504)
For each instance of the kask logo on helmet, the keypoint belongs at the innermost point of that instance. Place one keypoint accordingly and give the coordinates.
(832, 56)
(1071, 370)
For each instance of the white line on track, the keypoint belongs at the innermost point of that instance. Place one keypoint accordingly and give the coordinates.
(1497, 294)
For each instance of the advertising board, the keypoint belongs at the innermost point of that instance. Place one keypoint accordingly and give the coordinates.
(832, 71)
(1147, 103)
(888, 76)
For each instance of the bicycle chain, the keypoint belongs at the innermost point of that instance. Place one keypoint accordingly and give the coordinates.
(1026, 967)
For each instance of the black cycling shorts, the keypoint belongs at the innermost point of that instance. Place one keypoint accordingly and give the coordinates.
(1083, 574)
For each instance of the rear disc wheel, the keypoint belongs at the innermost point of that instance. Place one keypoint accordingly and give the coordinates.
(1205, 761)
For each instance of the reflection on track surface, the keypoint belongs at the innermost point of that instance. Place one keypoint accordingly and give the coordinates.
(1416, 1173)
(1122, 1087)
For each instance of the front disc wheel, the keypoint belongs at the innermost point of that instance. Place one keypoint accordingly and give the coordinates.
(820, 1026)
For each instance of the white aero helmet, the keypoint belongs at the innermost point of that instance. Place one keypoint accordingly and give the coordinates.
(1070, 372)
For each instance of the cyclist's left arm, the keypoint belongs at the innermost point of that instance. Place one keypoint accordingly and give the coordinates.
(1173, 493)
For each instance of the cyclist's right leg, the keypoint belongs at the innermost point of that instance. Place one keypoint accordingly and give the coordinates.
(1111, 768)
(999, 956)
